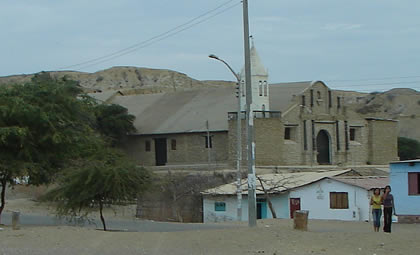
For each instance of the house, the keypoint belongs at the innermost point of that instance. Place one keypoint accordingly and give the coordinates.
(296, 123)
(405, 184)
(329, 195)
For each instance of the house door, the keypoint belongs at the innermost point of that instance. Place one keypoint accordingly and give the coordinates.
(294, 206)
(323, 148)
(261, 208)
(160, 151)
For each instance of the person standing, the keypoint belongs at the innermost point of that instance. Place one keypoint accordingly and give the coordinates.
(389, 209)
(376, 202)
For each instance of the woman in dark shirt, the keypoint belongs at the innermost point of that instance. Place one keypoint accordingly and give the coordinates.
(389, 209)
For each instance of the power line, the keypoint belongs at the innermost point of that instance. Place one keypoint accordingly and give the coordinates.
(380, 84)
(375, 79)
(158, 39)
(171, 32)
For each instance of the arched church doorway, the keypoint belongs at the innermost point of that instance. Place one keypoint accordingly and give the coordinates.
(323, 148)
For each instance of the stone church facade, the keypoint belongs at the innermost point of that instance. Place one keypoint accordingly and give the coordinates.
(301, 123)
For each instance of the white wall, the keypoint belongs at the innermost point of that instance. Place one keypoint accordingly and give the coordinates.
(210, 215)
(280, 204)
(316, 198)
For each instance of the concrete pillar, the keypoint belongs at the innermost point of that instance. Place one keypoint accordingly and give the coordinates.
(15, 220)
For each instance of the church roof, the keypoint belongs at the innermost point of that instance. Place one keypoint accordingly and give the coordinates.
(281, 94)
(188, 111)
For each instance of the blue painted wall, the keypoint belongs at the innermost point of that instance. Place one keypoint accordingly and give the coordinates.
(404, 204)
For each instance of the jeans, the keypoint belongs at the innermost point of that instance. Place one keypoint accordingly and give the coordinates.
(376, 213)
(387, 219)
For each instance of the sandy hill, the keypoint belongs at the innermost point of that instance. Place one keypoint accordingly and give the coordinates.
(138, 80)
(400, 104)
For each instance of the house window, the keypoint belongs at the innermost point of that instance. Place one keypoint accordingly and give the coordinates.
(243, 88)
(318, 94)
(339, 200)
(208, 141)
(329, 99)
(303, 100)
(312, 97)
(413, 183)
(261, 88)
(147, 146)
(220, 206)
(338, 102)
(287, 133)
(265, 88)
(337, 132)
(173, 144)
(352, 134)
(290, 133)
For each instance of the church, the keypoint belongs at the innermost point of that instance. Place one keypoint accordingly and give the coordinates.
(296, 124)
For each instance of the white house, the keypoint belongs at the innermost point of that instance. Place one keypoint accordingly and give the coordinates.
(326, 195)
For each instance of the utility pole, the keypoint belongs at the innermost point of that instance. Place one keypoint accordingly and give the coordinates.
(252, 205)
(208, 144)
(238, 139)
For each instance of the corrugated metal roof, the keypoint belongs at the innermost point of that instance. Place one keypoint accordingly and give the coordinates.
(276, 183)
(365, 182)
(188, 111)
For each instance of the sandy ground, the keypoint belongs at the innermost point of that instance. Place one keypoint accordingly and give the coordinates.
(269, 237)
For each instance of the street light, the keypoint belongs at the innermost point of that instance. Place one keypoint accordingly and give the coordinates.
(238, 139)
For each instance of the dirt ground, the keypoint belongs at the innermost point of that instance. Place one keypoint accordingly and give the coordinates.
(273, 236)
(269, 237)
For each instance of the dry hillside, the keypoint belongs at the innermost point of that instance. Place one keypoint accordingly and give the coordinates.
(140, 80)
(400, 104)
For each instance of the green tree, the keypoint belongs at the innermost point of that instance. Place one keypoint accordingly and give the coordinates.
(113, 122)
(107, 177)
(43, 125)
(408, 148)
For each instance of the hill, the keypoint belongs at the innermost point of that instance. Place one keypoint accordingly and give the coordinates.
(141, 80)
(399, 104)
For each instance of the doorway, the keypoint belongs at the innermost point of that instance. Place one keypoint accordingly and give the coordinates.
(323, 148)
(160, 151)
(261, 208)
(294, 206)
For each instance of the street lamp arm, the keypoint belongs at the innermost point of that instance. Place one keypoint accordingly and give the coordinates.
(228, 66)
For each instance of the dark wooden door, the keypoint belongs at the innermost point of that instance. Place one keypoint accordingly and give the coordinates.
(323, 148)
(294, 206)
(160, 151)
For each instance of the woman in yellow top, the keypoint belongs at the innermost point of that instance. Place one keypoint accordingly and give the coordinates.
(376, 201)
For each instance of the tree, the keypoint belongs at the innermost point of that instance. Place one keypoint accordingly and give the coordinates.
(269, 186)
(105, 178)
(408, 148)
(113, 122)
(43, 124)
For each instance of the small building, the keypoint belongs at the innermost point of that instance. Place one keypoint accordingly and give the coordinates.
(329, 195)
(405, 184)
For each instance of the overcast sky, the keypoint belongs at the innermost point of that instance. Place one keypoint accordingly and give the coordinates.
(373, 43)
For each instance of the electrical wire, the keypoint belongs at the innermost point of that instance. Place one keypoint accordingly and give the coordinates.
(171, 32)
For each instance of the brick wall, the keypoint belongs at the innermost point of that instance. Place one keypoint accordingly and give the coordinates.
(383, 144)
(190, 148)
